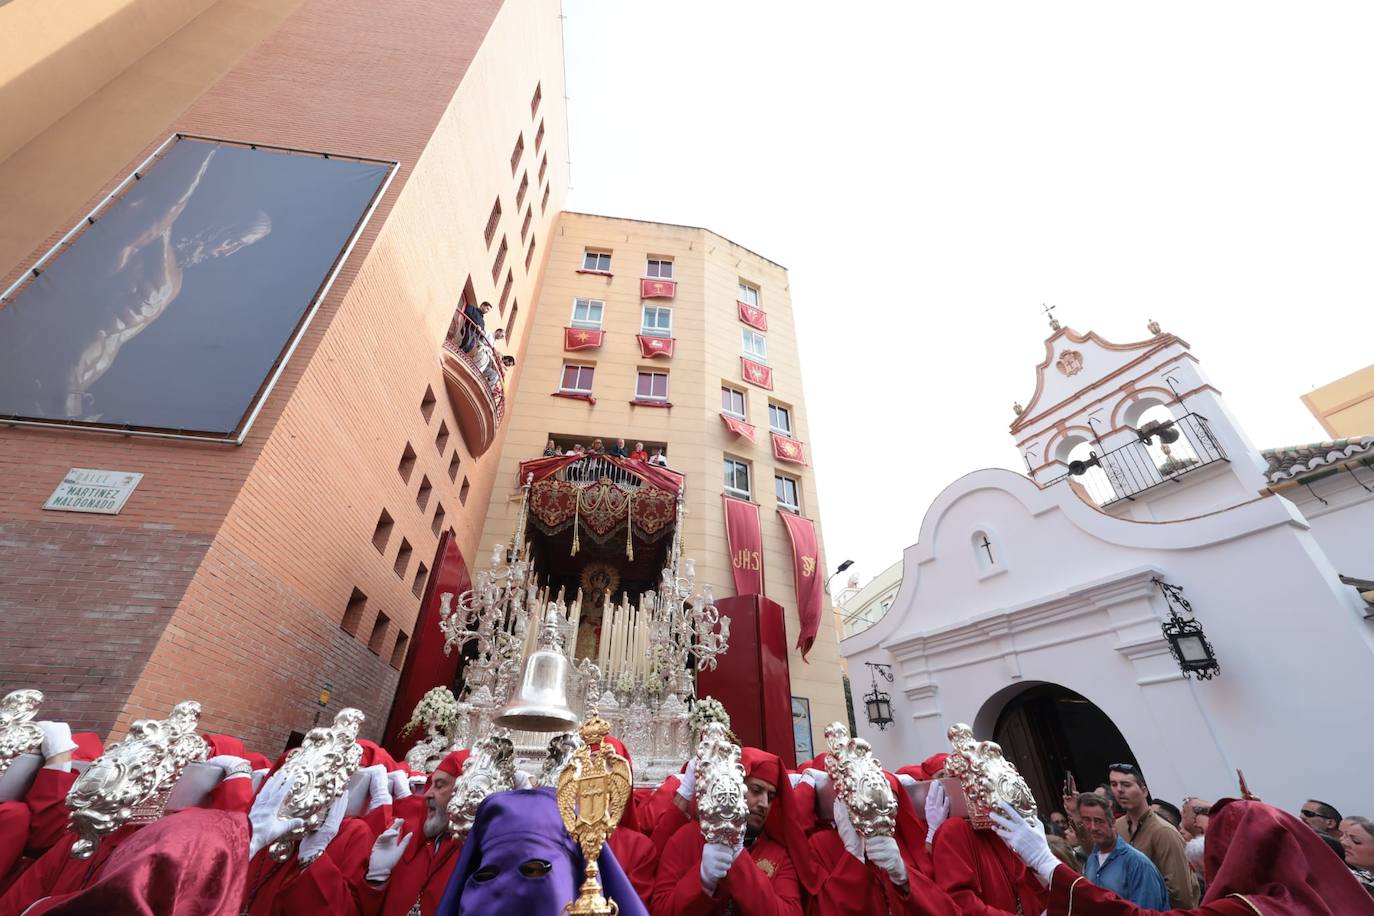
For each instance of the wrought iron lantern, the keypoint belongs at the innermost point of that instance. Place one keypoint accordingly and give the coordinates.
(1187, 641)
(879, 702)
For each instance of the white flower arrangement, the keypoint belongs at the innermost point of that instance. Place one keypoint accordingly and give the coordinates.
(437, 711)
(625, 682)
(707, 710)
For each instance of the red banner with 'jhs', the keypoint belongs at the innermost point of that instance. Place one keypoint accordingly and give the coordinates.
(745, 537)
(806, 568)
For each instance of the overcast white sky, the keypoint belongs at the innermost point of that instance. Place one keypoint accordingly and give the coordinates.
(930, 173)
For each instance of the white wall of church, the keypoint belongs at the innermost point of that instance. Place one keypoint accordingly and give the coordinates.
(1071, 603)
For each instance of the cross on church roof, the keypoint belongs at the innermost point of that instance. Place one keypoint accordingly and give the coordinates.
(1054, 324)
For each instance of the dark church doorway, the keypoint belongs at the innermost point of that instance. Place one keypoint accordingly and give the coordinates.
(1048, 731)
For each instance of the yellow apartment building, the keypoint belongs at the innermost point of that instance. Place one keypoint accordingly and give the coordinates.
(574, 390)
(1345, 407)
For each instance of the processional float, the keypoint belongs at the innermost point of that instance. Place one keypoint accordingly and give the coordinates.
(523, 682)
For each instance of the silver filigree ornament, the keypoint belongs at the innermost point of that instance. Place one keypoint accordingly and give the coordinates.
(18, 733)
(130, 782)
(721, 808)
(562, 747)
(490, 768)
(859, 783)
(321, 768)
(987, 777)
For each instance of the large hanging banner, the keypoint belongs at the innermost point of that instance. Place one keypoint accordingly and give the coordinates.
(806, 570)
(745, 536)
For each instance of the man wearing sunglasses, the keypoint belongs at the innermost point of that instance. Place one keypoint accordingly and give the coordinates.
(1151, 834)
(1321, 817)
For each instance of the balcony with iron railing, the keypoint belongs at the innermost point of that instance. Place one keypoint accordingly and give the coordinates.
(475, 378)
(1163, 452)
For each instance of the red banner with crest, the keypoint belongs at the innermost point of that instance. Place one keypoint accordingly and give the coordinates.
(582, 338)
(806, 569)
(785, 448)
(745, 537)
(753, 316)
(756, 373)
(657, 289)
(650, 346)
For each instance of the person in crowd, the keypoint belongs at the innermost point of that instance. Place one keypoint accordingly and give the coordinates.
(974, 867)
(766, 873)
(659, 458)
(619, 450)
(1152, 835)
(1258, 860)
(519, 858)
(1167, 811)
(1194, 817)
(639, 454)
(405, 871)
(597, 448)
(1321, 817)
(1115, 864)
(550, 450)
(1064, 853)
(1357, 842)
(1193, 852)
(1057, 822)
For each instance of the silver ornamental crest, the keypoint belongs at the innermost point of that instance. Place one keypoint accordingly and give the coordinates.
(321, 768)
(489, 768)
(987, 777)
(721, 809)
(130, 782)
(18, 734)
(859, 783)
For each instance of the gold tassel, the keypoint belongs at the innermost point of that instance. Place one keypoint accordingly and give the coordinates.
(630, 526)
(577, 506)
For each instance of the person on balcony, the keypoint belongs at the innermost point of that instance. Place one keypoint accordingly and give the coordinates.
(550, 450)
(619, 450)
(475, 326)
(597, 448)
(659, 458)
(639, 454)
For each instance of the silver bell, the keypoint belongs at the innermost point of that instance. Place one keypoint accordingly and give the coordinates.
(541, 702)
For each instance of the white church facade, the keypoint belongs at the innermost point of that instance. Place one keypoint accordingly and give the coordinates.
(1032, 606)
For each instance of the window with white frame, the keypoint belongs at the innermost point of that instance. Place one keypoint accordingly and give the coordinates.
(787, 492)
(587, 313)
(732, 401)
(659, 268)
(748, 294)
(577, 378)
(651, 386)
(737, 478)
(755, 345)
(780, 419)
(658, 321)
(596, 260)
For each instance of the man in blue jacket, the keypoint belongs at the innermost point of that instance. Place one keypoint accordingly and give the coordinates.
(1113, 863)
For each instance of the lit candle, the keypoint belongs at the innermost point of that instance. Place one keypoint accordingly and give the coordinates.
(605, 643)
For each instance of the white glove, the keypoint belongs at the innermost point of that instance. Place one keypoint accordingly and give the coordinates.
(57, 739)
(883, 852)
(1026, 838)
(316, 840)
(937, 810)
(387, 851)
(687, 781)
(400, 784)
(818, 778)
(232, 767)
(266, 825)
(522, 780)
(853, 843)
(378, 792)
(716, 859)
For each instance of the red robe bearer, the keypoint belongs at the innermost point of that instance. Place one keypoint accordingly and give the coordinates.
(30, 827)
(768, 876)
(982, 875)
(849, 886)
(424, 869)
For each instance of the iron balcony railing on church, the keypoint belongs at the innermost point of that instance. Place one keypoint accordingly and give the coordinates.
(1162, 452)
(471, 344)
(592, 468)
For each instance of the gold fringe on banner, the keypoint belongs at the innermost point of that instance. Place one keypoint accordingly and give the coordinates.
(630, 526)
(577, 505)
